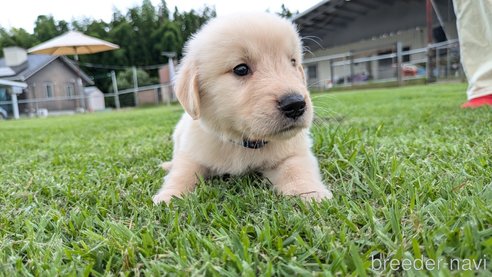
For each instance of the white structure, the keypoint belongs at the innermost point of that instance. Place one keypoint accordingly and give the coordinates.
(15, 89)
(367, 40)
(95, 99)
(14, 56)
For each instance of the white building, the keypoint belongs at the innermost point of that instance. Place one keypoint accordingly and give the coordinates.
(359, 41)
(94, 99)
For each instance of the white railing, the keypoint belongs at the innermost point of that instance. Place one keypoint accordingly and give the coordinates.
(146, 95)
(435, 62)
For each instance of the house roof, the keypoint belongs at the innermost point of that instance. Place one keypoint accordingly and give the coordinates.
(12, 83)
(92, 90)
(34, 64)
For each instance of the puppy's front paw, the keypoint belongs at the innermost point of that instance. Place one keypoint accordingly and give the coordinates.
(317, 196)
(164, 196)
(307, 192)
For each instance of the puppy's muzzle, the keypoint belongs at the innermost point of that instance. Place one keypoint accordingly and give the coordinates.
(292, 105)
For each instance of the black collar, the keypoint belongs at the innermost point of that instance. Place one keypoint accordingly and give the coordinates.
(254, 144)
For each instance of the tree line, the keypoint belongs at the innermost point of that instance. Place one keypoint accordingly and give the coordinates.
(142, 33)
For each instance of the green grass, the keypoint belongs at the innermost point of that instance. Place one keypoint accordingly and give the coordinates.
(411, 173)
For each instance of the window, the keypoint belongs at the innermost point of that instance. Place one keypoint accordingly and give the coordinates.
(406, 58)
(312, 72)
(3, 94)
(49, 89)
(387, 62)
(70, 89)
(438, 34)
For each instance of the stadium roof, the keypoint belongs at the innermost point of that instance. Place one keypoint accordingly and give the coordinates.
(334, 18)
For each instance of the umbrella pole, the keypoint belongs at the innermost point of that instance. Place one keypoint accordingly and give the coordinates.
(80, 86)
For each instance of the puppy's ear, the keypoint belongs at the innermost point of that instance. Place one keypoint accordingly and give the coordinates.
(303, 74)
(187, 88)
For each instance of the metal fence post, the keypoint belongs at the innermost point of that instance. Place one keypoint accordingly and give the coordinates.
(135, 85)
(169, 89)
(399, 61)
(430, 64)
(115, 90)
(448, 63)
(351, 69)
(332, 73)
(15, 105)
(438, 66)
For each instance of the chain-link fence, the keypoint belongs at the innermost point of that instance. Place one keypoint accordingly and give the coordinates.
(440, 61)
(92, 100)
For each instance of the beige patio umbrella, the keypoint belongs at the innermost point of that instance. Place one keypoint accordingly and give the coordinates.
(73, 43)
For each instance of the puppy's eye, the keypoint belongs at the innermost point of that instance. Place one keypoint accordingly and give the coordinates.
(241, 70)
(293, 62)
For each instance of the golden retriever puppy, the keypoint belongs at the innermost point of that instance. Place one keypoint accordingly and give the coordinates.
(247, 107)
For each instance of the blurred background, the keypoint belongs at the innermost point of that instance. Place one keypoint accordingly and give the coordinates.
(361, 43)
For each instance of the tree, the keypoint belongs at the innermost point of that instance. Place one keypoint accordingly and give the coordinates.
(163, 13)
(6, 39)
(143, 32)
(167, 38)
(47, 28)
(125, 79)
(16, 37)
(190, 22)
(285, 12)
(22, 38)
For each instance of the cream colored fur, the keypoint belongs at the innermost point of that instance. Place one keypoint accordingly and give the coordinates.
(223, 109)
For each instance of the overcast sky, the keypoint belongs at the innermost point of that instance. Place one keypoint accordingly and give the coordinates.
(23, 13)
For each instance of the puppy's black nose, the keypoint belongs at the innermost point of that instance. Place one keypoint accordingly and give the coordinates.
(292, 105)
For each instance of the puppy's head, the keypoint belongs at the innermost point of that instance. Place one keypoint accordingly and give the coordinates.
(242, 78)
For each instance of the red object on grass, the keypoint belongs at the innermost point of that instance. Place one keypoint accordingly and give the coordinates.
(478, 102)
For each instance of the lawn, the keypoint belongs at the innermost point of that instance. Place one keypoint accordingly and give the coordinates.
(411, 174)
